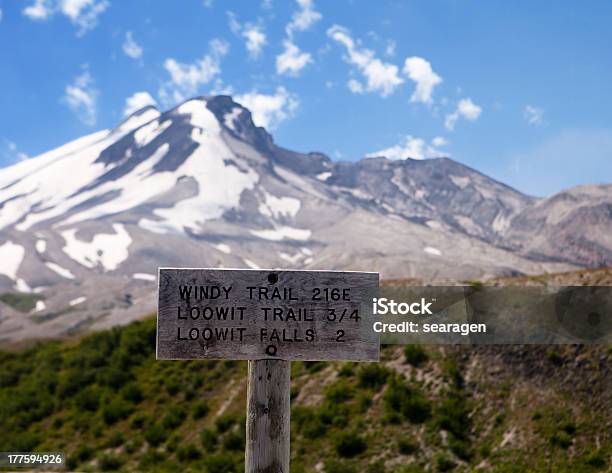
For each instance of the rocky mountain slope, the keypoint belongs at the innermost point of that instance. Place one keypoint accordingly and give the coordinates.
(84, 227)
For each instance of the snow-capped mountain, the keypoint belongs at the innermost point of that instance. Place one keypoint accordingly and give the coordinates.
(85, 226)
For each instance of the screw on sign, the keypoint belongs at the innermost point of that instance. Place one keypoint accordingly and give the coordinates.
(268, 317)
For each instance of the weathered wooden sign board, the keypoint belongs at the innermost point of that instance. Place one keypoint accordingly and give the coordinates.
(243, 314)
(268, 317)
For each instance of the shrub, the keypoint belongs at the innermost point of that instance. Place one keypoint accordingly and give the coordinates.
(372, 376)
(406, 446)
(117, 409)
(174, 417)
(234, 441)
(453, 372)
(453, 416)
(338, 392)
(188, 453)
(308, 422)
(415, 355)
(109, 462)
(200, 409)
(349, 444)
(460, 448)
(208, 439)
(377, 466)
(173, 386)
(364, 402)
(401, 399)
(88, 399)
(443, 463)
(155, 435)
(223, 423)
(346, 370)
(220, 464)
(116, 439)
(152, 458)
(82, 454)
(334, 466)
(138, 421)
(314, 366)
(561, 439)
(132, 392)
(113, 377)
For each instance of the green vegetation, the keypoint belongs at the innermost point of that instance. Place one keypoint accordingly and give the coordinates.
(21, 301)
(108, 404)
(415, 355)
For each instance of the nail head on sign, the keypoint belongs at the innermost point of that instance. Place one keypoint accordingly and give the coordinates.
(272, 278)
(271, 350)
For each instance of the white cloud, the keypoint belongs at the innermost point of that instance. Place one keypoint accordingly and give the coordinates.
(466, 109)
(534, 115)
(82, 13)
(234, 25)
(439, 141)
(82, 98)
(186, 79)
(255, 37)
(292, 60)
(380, 77)
(355, 86)
(304, 18)
(409, 147)
(130, 47)
(390, 49)
(419, 70)
(39, 10)
(255, 40)
(138, 101)
(269, 110)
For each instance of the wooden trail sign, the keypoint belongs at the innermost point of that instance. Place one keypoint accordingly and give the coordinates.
(266, 314)
(268, 317)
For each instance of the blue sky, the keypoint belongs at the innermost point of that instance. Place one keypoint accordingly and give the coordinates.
(518, 90)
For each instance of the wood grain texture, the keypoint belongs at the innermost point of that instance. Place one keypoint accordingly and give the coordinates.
(255, 338)
(268, 417)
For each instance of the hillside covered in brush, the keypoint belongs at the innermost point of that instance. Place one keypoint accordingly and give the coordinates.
(110, 406)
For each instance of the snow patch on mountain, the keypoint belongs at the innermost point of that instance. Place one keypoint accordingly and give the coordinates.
(41, 246)
(293, 259)
(46, 187)
(77, 301)
(277, 207)
(282, 232)
(63, 272)
(230, 117)
(133, 190)
(460, 181)
(251, 264)
(432, 251)
(220, 185)
(324, 176)
(22, 286)
(11, 257)
(223, 248)
(136, 120)
(109, 250)
(147, 133)
(144, 276)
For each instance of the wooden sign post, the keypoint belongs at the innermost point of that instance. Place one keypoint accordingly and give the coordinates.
(268, 317)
